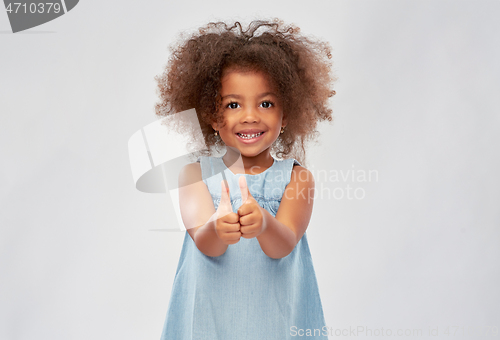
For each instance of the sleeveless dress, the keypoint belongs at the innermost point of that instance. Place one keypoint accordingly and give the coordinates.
(244, 294)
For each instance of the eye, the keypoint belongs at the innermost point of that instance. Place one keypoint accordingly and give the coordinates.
(233, 105)
(267, 104)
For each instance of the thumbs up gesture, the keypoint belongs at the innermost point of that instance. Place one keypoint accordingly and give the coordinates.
(227, 226)
(251, 217)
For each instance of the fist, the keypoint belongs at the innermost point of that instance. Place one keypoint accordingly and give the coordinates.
(227, 226)
(251, 215)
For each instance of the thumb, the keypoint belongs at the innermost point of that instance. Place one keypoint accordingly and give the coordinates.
(245, 192)
(225, 200)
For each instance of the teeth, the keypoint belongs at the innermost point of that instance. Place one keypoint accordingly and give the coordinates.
(250, 136)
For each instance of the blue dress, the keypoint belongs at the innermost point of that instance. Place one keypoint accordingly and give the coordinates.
(244, 294)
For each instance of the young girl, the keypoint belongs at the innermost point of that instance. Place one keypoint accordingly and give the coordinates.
(245, 270)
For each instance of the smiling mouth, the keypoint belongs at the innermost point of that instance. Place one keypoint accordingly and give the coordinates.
(249, 136)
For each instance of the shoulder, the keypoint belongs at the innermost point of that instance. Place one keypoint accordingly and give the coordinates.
(301, 174)
(301, 179)
(190, 173)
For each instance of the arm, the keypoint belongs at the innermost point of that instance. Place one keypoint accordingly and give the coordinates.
(198, 211)
(281, 233)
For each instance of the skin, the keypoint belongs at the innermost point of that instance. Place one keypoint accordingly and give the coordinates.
(249, 101)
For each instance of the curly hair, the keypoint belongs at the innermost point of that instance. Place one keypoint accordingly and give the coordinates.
(299, 67)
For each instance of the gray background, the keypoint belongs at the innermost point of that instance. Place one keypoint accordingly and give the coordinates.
(417, 102)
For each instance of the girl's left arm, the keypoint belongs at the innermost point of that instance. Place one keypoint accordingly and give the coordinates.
(281, 234)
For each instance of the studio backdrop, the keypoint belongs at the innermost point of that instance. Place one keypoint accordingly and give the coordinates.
(405, 230)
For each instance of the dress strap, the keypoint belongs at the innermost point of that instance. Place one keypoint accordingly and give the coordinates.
(282, 173)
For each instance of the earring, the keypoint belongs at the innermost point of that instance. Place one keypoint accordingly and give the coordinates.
(216, 133)
(282, 129)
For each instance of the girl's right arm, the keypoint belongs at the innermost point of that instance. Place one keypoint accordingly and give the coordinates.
(199, 215)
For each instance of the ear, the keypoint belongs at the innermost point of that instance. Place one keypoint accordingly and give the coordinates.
(214, 126)
(284, 120)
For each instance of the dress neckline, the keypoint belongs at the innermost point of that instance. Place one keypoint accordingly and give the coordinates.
(232, 173)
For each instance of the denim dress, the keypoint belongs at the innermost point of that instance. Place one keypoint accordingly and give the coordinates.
(244, 294)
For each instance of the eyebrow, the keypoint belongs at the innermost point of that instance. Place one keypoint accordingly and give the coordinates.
(258, 96)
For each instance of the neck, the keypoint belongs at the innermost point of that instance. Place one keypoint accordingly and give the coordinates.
(240, 164)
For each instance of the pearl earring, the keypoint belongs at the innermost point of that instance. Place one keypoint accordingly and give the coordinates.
(282, 129)
(216, 133)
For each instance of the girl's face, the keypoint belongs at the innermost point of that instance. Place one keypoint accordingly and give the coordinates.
(253, 113)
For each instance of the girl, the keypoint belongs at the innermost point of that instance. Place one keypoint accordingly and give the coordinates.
(245, 270)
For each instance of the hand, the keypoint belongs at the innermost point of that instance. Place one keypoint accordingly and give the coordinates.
(227, 226)
(250, 213)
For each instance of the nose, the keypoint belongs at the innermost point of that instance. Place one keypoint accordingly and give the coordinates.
(250, 115)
